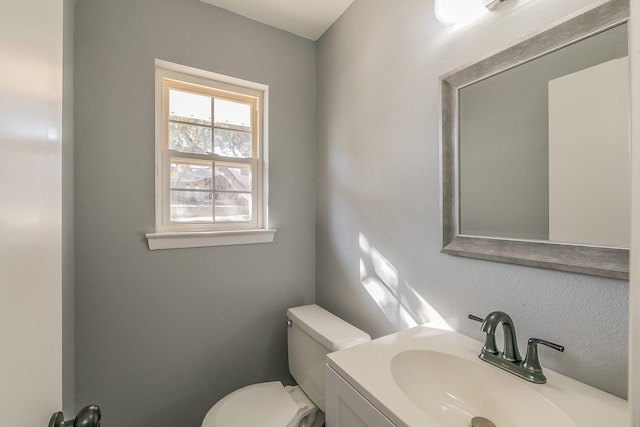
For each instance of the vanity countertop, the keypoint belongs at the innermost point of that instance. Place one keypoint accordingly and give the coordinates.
(368, 368)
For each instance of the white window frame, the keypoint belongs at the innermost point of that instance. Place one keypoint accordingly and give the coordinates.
(170, 235)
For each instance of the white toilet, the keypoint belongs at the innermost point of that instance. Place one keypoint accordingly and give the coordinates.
(312, 333)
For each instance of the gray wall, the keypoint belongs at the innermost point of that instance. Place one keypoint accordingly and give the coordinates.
(378, 260)
(161, 336)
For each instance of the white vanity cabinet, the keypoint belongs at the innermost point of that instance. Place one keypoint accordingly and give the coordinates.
(346, 407)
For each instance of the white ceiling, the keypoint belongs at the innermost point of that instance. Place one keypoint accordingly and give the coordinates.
(306, 18)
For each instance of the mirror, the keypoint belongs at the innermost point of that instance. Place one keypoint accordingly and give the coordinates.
(535, 150)
(544, 147)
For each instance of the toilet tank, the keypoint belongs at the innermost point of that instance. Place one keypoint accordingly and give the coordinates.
(313, 332)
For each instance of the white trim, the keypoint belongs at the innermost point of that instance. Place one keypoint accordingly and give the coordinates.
(208, 238)
(263, 106)
(634, 284)
(209, 75)
(221, 233)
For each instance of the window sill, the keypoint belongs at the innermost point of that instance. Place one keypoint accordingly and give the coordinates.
(202, 239)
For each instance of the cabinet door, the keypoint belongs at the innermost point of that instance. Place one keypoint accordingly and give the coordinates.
(346, 407)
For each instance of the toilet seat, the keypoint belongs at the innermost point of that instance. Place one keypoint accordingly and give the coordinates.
(266, 404)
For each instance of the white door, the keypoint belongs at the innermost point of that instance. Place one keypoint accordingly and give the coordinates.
(586, 108)
(30, 211)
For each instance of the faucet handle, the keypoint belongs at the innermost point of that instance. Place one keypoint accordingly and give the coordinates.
(531, 361)
(476, 318)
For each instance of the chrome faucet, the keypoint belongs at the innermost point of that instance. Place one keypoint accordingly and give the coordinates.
(509, 359)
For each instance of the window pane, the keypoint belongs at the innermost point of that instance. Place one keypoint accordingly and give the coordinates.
(189, 138)
(209, 155)
(232, 143)
(191, 176)
(232, 114)
(191, 206)
(233, 178)
(233, 207)
(189, 107)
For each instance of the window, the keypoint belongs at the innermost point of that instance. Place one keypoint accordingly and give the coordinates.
(210, 167)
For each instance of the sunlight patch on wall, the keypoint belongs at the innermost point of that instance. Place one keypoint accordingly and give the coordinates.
(399, 302)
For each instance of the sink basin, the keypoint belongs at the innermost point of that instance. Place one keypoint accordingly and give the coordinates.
(453, 390)
(427, 377)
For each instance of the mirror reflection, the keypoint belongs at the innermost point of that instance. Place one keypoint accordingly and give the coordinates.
(544, 147)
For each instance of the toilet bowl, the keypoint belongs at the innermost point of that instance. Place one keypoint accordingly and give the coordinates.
(266, 404)
(312, 333)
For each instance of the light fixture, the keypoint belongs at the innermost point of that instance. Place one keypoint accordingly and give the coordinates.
(454, 12)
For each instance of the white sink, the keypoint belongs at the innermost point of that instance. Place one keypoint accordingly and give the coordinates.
(426, 377)
(453, 390)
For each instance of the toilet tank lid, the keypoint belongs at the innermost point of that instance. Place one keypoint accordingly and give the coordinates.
(331, 331)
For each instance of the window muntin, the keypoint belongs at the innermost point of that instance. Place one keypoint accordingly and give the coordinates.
(211, 165)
